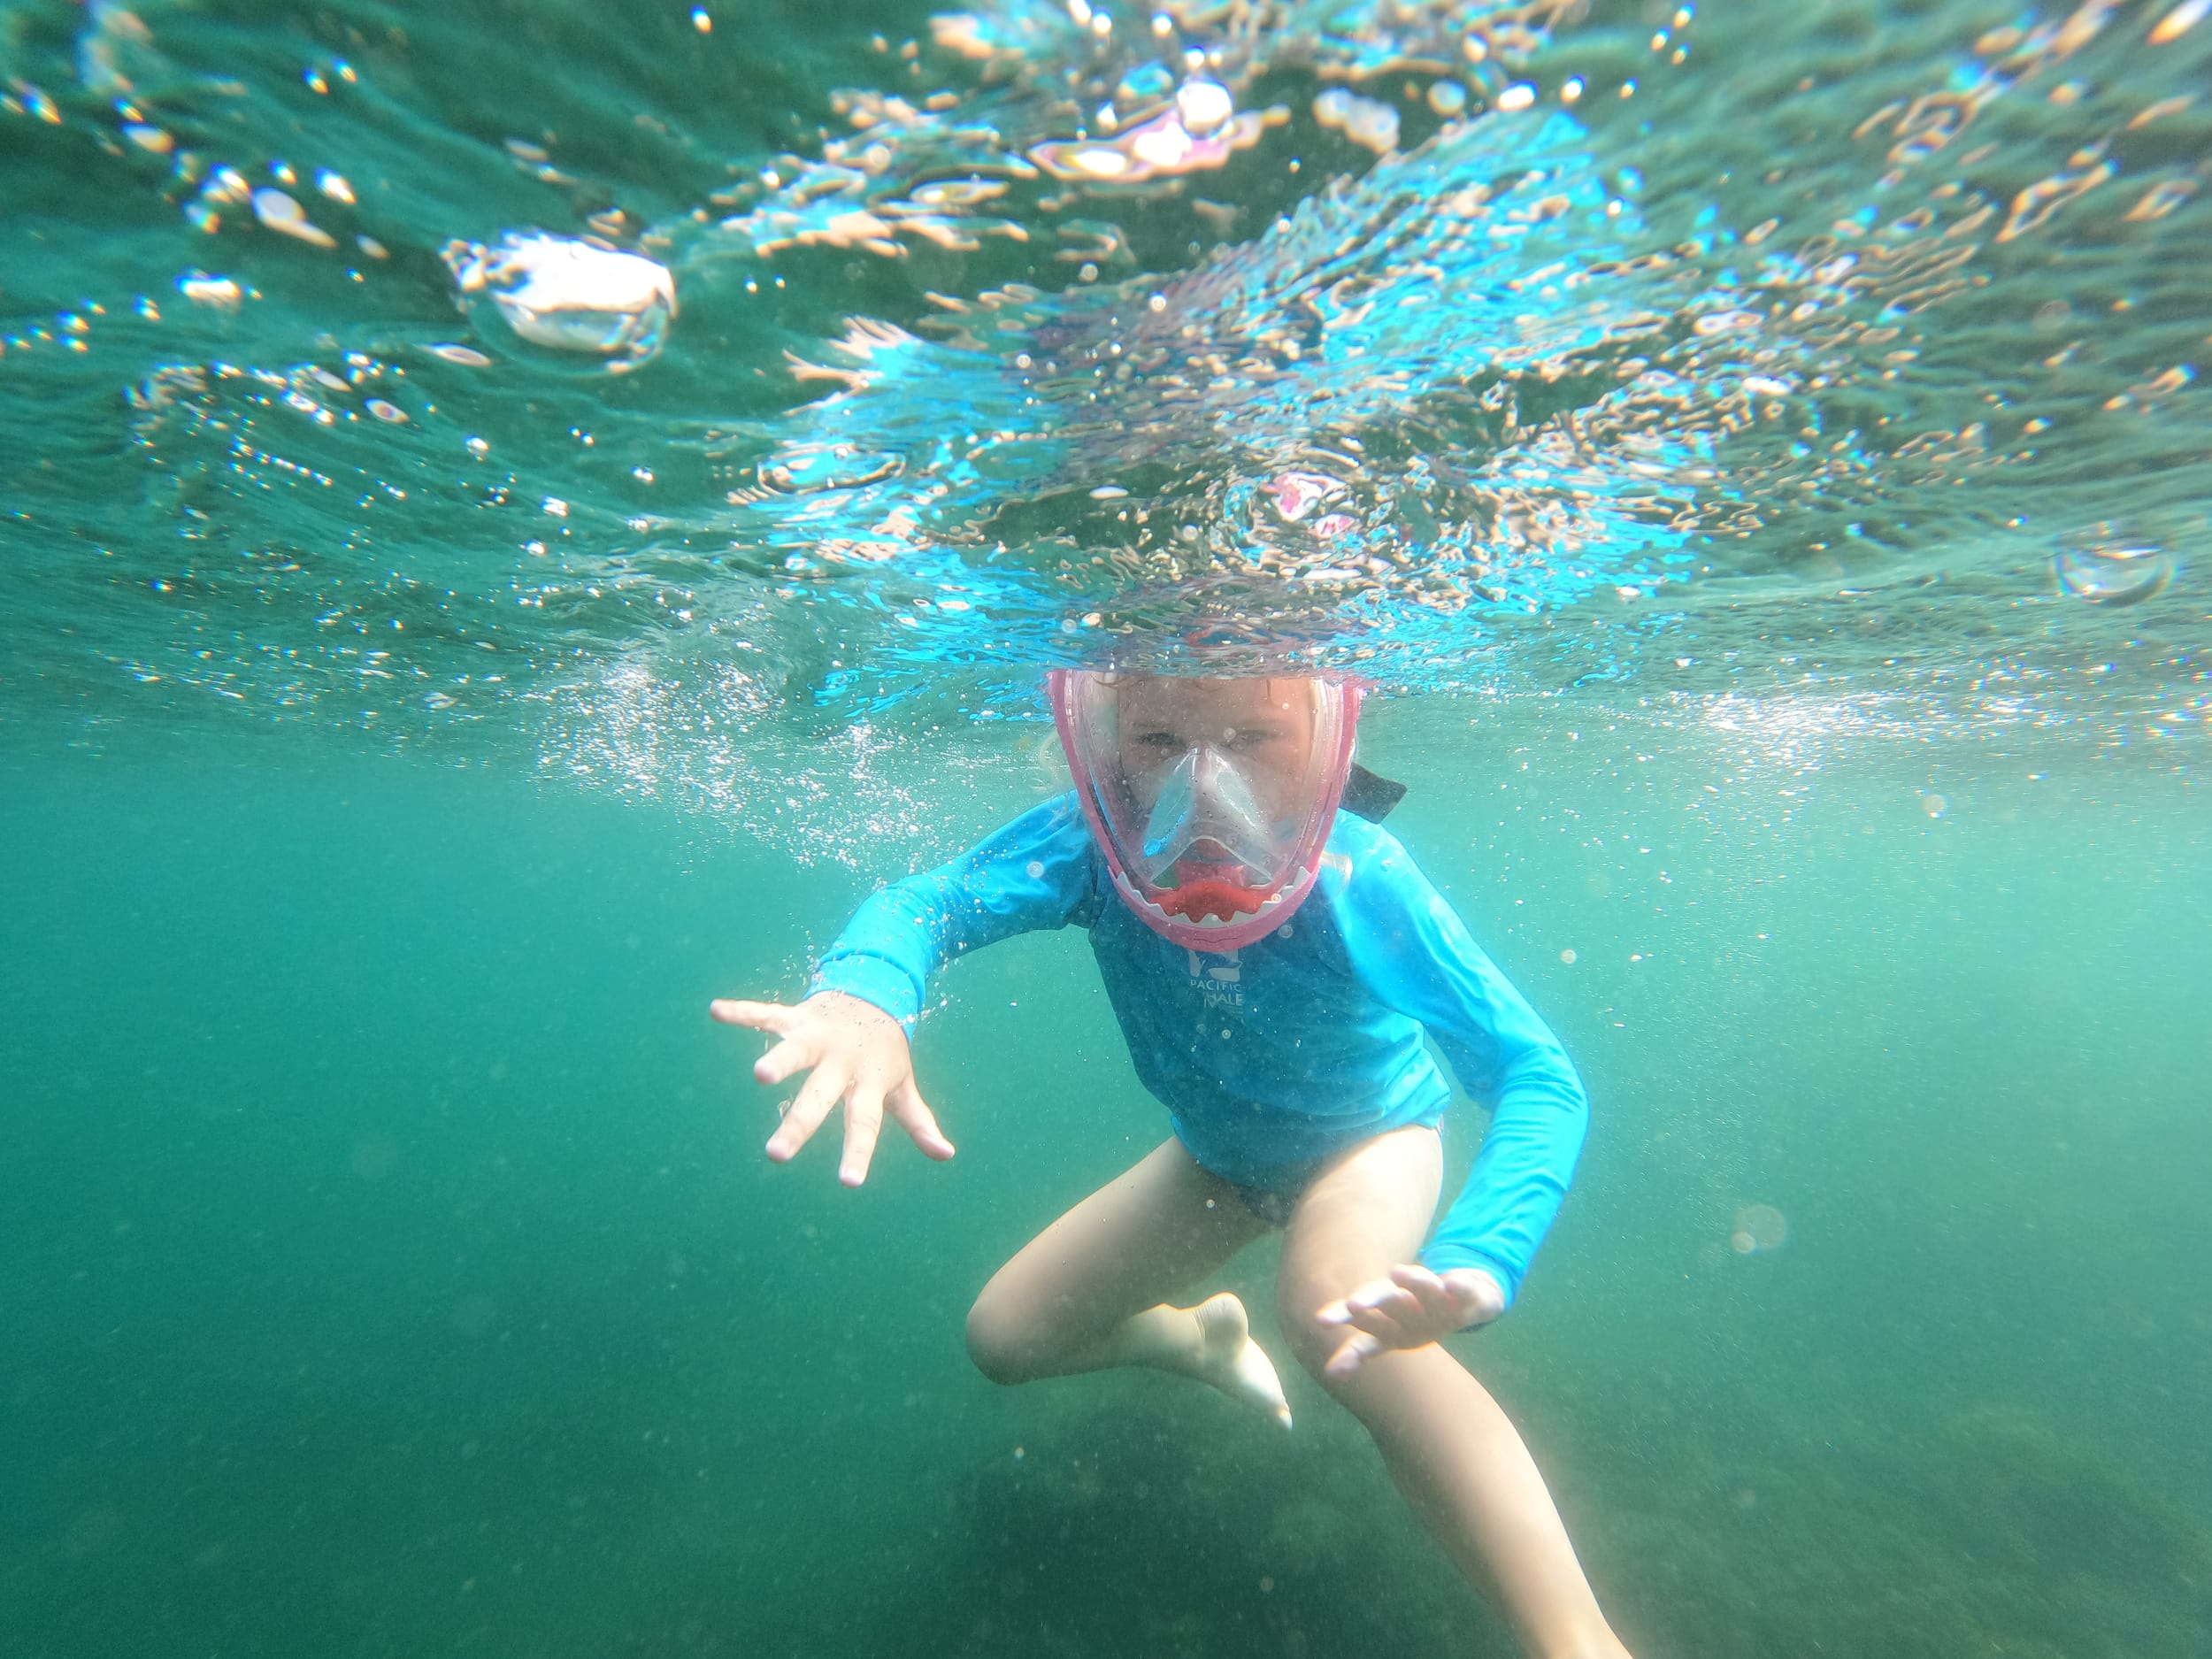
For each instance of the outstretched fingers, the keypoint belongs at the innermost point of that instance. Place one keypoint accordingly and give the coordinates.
(793, 1054)
(769, 1016)
(855, 1053)
(864, 1122)
(799, 1049)
(1410, 1308)
(914, 1115)
(1357, 1347)
(808, 1112)
(864, 1108)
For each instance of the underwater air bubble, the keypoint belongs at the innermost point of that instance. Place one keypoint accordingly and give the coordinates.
(1367, 123)
(1203, 106)
(2113, 575)
(280, 213)
(1934, 805)
(217, 293)
(1758, 1227)
(570, 294)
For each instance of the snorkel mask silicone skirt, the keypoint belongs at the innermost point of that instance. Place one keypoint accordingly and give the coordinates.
(1211, 800)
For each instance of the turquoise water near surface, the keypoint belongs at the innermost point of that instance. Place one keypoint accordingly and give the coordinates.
(1756, 456)
(390, 1264)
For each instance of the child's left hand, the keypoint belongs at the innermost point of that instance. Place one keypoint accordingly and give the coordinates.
(1410, 1308)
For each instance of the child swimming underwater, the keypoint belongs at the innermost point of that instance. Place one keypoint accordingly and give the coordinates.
(1275, 964)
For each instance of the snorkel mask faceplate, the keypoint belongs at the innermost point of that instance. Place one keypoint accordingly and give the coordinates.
(1210, 799)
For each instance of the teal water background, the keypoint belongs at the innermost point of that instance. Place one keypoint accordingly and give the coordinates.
(1766, 489)
(390, 1266)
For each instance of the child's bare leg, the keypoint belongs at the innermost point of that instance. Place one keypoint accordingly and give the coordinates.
(1460, 1462)
(1089, 1292)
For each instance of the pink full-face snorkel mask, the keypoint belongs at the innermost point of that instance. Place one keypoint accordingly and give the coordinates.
(1212, 798)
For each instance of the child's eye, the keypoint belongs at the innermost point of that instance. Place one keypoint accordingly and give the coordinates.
(1160, 741)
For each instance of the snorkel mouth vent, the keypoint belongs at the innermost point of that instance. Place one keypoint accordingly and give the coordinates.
(1211, 893)
(1209, 914)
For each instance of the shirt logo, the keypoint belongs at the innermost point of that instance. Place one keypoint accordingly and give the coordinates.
(1218, 978)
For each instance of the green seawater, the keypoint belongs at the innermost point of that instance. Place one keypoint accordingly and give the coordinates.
(1760, 472)
(390, 1266)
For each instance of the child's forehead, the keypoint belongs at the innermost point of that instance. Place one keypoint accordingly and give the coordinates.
(1157, 697)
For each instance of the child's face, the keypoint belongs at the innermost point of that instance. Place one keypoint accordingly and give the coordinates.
(1265, 725)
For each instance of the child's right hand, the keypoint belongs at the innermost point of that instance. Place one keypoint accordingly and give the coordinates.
(858, 1055)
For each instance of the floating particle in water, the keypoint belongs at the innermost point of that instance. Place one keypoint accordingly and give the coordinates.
(467, 357)
(384, 411)
(701, 21)
(216, 293)
(556, 507)
(2116, 576)
(1447, 98)
(569, 294)
(152, 140)
(334, 186)
(1518, 96)
(1568, 956)
(1934, 805)
(1758, 1227)
(281, 213)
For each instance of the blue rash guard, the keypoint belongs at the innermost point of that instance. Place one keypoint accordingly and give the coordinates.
(1272, 1057)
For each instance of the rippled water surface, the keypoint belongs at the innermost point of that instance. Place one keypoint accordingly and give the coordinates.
(513, 515)
(1765, 345)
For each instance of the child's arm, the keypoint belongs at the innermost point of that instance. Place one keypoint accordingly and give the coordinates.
(851, 1032)
(1035, 874)
(1417, 957)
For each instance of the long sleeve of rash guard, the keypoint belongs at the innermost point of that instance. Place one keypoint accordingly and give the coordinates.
(1035, 874)
(1416, 954)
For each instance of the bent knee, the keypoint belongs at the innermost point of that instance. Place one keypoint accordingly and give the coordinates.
(1312, 1344)
(997, 1343)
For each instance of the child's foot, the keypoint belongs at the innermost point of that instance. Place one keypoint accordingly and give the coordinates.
(1233, 1362)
